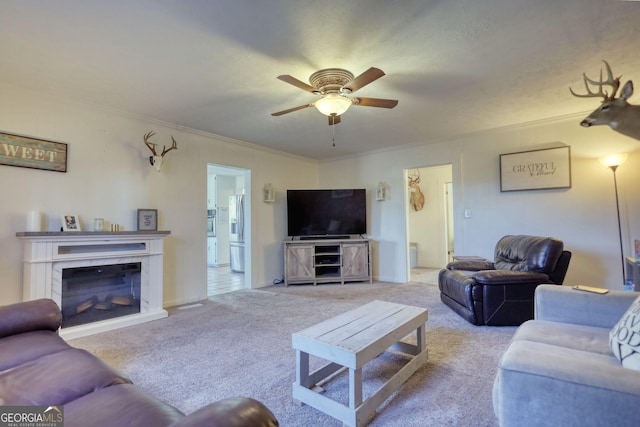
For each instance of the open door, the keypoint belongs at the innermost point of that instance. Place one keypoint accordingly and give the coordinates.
(448, 194)
(430, 219)
(228, 263)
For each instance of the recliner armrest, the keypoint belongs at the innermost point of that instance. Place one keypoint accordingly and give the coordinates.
(231, 412)
(40, 314)
(567, 305)
(470, 265)
(509, 277)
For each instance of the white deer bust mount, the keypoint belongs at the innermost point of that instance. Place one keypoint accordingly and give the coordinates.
(615, 112)
(155, 159)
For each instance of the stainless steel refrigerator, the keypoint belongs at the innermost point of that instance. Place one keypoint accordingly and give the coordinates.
(236, 233)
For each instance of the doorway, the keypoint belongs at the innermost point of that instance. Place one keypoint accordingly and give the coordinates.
(227, 236)
(429, 213)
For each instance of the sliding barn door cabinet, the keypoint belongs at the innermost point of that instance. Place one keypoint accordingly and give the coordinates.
(327, 261)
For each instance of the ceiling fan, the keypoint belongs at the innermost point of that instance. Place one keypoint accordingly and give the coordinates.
(334, 85)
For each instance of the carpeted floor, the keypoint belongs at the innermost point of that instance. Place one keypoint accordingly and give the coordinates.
(240, 344)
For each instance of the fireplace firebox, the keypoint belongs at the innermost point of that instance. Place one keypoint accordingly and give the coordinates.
(101, 292)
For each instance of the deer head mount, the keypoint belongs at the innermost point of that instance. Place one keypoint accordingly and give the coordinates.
(615, 112)
(156, 160)
(416, 200)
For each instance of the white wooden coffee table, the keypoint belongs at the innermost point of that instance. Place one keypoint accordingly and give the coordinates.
(350, 340)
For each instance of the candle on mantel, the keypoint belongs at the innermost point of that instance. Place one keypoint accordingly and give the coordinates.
(34, 221)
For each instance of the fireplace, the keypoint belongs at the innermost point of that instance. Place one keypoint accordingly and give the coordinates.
(100, 280)
(101, 292)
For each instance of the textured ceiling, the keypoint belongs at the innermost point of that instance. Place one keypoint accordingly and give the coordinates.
(455, 66)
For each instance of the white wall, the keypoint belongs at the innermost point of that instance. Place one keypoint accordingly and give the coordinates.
(109, 176)
(584, 216)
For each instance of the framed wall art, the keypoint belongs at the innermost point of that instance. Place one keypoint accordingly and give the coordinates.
(147, 220)
(70, 223)
(546, 168)
(26, 152)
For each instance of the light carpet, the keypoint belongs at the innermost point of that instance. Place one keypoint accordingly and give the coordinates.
(240, 344)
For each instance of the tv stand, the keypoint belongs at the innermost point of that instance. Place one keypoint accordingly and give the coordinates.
(327, 260)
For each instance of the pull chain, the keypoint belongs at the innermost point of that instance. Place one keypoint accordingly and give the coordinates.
(333, 130)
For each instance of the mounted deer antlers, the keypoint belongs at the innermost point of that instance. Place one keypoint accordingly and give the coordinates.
(416, 199)
(155, 160)
(615, 112)
(614, 83)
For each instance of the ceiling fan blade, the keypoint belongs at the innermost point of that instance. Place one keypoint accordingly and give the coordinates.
(291, 110)
(297, 83)
(364, 79)
(334, 120)
(376, 102)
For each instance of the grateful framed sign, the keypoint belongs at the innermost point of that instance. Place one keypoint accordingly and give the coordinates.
(547, 168)
(27, 152)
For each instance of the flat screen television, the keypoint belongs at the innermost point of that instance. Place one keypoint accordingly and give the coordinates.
(326, 212)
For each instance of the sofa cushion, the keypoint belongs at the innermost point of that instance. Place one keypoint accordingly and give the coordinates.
(119, 405)
(527, 253)
(540, 384)
(624, 338)
(21, 348)
(577, 337)
(571, 366)
(508, 277)
(56, 379)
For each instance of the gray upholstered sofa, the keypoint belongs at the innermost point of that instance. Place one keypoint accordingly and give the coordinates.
(559, 369)
(38, 368)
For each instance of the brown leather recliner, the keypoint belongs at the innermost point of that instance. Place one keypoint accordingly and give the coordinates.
(500, 293)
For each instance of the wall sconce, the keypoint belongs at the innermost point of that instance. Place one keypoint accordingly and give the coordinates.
(612, 162)
(269, 193)
(381, 192)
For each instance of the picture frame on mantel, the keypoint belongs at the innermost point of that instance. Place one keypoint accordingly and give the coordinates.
(544, 169)
(70, 223)
(147, 220)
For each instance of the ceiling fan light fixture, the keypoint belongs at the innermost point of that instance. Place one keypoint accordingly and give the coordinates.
(333, 104)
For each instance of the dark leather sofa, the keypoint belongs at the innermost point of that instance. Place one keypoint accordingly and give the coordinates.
(500, 292)
(38, 368)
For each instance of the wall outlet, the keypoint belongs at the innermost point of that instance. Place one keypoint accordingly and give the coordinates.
(467, 213)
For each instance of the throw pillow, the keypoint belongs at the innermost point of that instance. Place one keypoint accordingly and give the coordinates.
(624, 338)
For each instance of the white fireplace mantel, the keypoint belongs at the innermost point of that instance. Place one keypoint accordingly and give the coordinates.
(46, 254)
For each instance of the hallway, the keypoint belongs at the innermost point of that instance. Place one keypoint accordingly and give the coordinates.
(221, 280)
(425, 275)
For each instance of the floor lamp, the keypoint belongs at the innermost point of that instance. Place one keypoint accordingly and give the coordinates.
(612, 162)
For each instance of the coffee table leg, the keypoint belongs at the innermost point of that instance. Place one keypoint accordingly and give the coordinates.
(355, 388)
(420, 339)
(302, 373)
